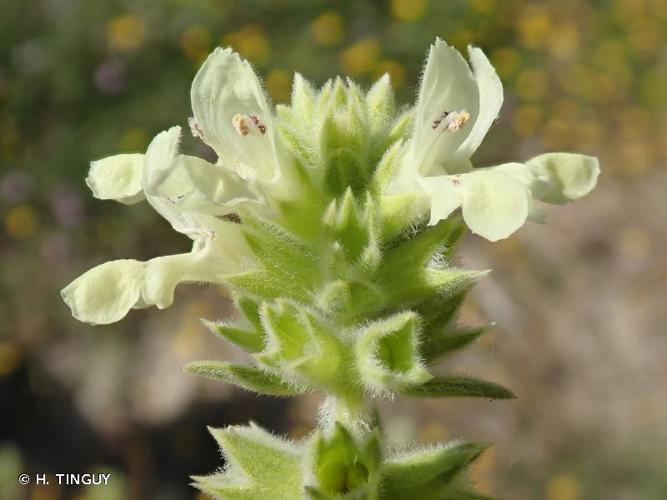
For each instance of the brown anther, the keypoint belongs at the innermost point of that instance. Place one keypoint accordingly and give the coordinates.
(248, 124)
(437, 121)
(240, 124)
(260, 126)
(195, 128)
(451, 120)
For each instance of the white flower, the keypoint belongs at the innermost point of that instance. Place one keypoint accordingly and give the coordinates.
(231, 114)
(455, 108)
(189, 193)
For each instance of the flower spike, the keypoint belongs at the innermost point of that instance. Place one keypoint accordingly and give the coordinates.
(333, 224)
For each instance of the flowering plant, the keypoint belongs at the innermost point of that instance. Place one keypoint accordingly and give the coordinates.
(332, 223)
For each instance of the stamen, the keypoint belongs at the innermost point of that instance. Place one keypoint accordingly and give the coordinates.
(258, 124)
(437, 121)
(248, 124)
(451, 120)
(195, 128)
(240, 124)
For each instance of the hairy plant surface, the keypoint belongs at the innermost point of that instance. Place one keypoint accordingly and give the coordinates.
(333, 222)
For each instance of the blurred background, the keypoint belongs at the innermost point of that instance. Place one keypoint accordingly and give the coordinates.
(580, 302)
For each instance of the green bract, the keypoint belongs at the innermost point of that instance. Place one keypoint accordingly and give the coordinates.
(332, 222)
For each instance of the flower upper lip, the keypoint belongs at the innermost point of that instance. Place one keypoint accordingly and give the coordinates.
(450, 85)
(228, 103)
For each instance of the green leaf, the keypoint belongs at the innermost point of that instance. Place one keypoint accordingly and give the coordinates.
(401, 126)
(344, 467)
(267, 285)
(343, 168)
(355, 96)
(344, 143)
(342, 216)
(419, 249)
(247, 377)
(351, 226)
(387, 168)
(387, 353)
(300, 343)
(338, 465)
(296, 141)
(429, 468)
(303, 98)
(280, 252)
(249, 340)
(356, 124)
(322, 100)
(350, 301)
(305, 224)
(250, 309)
(439, 311)
(286, 326)
(448, 341)
(380, 104)
(399, 214)
(415, 268)
(258, 465)
(457, 386)
(406, 288)
(339, 93)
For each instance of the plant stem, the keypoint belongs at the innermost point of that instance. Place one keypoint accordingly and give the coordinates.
(353, 413)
